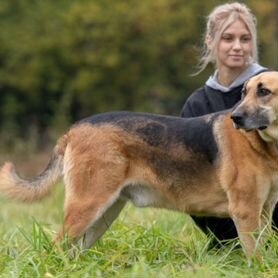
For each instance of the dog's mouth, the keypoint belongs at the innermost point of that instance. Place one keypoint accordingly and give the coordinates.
(258, 128)
(248, 129)
(262, 127)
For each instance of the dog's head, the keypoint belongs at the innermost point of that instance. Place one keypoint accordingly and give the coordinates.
(258, 108)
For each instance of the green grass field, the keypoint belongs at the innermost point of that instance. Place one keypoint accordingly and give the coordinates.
(141, 243)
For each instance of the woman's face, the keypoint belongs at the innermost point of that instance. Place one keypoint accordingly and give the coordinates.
(234, 47)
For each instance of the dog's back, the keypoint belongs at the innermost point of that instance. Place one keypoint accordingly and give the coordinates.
(195, 134)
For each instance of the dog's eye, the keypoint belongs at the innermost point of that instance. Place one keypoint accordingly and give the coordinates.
(262, 92)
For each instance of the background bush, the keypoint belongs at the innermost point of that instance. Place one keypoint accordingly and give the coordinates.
(64, 60)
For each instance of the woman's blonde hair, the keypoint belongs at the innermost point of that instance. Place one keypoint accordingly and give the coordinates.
(219, 19)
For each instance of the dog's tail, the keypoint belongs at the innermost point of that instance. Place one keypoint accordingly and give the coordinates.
(17, 188)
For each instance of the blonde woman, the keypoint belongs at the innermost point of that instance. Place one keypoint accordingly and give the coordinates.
(231, 46)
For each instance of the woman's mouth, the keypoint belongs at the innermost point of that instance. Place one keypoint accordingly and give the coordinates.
(236, 56)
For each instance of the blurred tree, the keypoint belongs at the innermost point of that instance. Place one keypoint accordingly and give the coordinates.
(63, 60)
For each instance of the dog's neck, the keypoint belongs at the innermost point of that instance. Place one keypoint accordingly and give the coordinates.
(264, 142)
(270, 135)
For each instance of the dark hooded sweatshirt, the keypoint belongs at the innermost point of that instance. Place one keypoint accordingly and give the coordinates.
(209, 99)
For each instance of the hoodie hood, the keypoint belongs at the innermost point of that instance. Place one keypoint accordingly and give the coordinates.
(252, 70)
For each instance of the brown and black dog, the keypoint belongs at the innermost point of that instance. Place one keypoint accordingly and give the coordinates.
(200, 166)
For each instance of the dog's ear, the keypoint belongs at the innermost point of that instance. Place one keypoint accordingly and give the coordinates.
(243, 93)
(243, 90)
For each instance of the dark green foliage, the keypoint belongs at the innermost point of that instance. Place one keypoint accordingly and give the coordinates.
(63, 60)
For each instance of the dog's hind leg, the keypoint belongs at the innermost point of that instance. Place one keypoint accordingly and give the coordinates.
(95, 169)
(91, 198)
(94, 232)
(82, 213)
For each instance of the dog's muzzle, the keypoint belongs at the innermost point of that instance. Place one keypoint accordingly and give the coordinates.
(240, 120)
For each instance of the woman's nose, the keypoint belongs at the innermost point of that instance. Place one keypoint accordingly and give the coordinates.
(237, 44)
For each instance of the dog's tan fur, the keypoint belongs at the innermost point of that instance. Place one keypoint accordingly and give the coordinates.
(105, 165)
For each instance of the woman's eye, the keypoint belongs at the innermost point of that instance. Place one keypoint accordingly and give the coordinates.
(246, 39)
(227, 38)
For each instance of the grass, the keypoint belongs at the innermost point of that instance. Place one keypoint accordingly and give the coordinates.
(141, 243)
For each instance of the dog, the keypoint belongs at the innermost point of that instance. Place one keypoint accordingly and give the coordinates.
(223, 164)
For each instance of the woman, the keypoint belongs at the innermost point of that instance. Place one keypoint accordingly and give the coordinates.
(230, 44)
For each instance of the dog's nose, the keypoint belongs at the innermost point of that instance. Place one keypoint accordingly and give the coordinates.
(237, 118)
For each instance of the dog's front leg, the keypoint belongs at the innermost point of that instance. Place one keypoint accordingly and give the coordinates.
(266, 217)
(247, 224)
(246, 216)
(269, 206)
